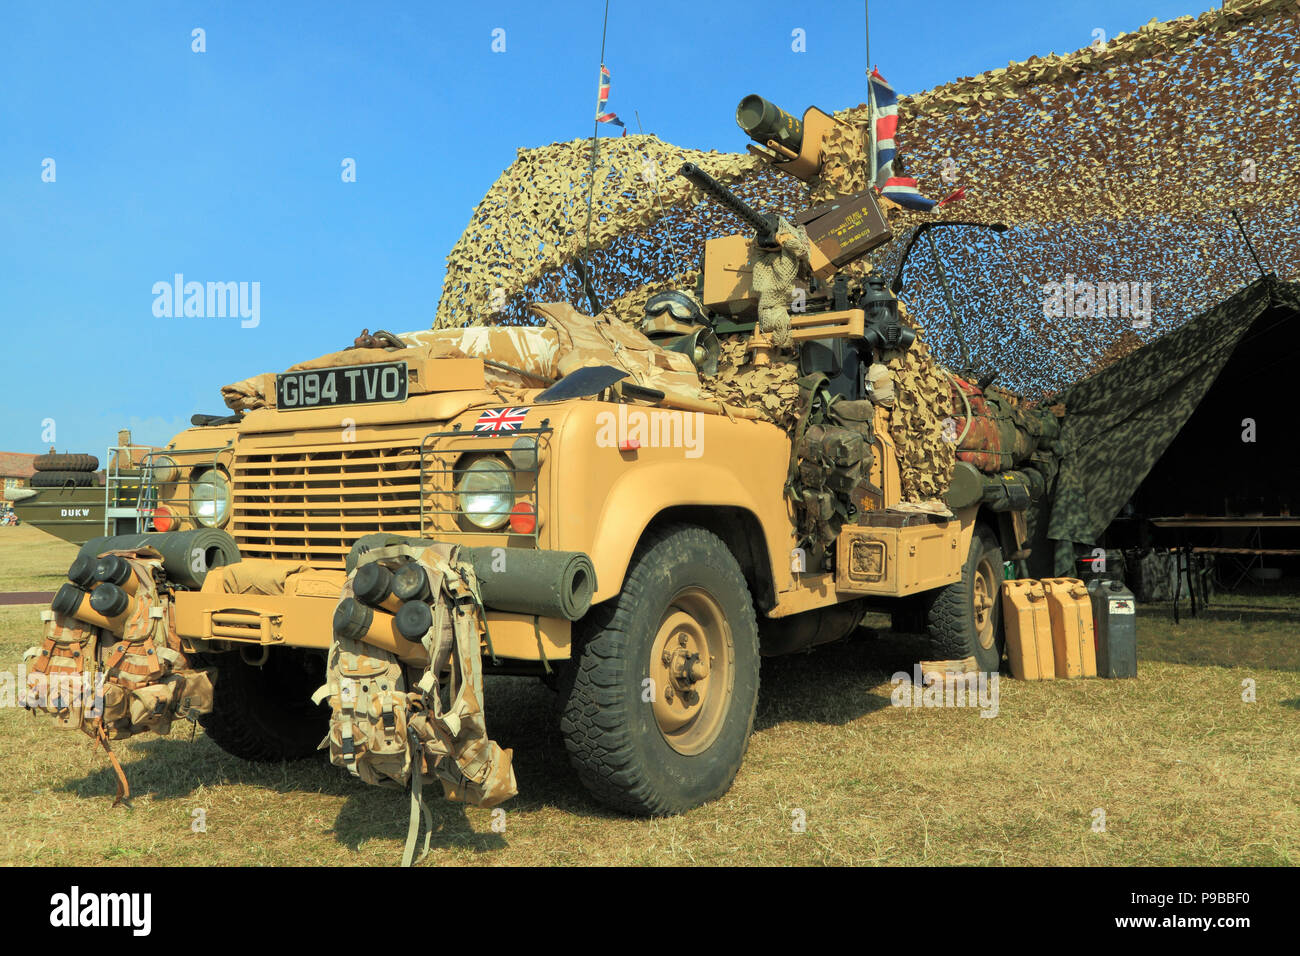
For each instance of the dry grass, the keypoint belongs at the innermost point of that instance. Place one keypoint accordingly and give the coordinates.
(1186, 771)
(32, 560)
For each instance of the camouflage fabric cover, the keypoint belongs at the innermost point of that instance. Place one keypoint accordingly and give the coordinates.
(1118, 422)
(567, 340)
(533, 220)
(749, 381)
(605, 341)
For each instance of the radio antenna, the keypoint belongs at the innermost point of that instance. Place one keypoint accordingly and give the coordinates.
(595, 129)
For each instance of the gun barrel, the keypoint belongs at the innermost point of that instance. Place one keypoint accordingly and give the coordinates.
(725, 196)
(763, 121)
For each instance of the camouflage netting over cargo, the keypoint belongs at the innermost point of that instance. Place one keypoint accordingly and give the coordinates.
(1114, 165)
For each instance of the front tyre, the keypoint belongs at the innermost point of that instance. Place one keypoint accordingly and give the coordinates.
(265, 713)
(964, 619)
(662, 700)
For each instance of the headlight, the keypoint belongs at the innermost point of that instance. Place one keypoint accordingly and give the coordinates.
(525, 453)
(164, 470)
(210, 499)
(486, 493)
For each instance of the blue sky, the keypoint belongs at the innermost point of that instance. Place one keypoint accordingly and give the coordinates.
(226, 165)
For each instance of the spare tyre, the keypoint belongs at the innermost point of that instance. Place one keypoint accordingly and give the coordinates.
(60, 479)
(54, 462)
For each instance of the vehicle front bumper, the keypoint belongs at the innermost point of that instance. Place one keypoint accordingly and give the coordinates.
(303, 615)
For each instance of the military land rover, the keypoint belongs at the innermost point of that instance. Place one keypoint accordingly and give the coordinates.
(635, 541)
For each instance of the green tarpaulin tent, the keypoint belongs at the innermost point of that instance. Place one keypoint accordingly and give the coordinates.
(1120, 421)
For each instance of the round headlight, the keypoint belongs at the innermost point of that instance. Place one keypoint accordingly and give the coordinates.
(165, 471)
(525, 453)
(210, 499)
(486, 493)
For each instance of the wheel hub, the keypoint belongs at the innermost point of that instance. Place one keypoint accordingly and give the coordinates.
(690, 665)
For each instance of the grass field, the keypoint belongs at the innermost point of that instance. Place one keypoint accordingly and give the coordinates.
(31, 560)
(1185, 770)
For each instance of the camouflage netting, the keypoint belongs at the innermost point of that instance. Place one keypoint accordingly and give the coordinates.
(1110, 165)
(533, 221)
(922, 400)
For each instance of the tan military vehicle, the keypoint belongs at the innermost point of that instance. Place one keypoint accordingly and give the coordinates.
(686, 537)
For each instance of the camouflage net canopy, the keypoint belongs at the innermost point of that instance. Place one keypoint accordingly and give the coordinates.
(1114, 164)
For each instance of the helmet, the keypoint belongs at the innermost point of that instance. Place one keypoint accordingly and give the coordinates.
(672, 313)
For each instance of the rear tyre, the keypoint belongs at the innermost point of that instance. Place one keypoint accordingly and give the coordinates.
(265, 713)
(657, 713)
(53, 462)
(59, 479)
(964, 619)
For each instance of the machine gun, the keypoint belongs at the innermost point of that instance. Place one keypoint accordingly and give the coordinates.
(839, 232)
(764, 224)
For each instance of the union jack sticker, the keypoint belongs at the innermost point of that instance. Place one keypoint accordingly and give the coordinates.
(500, 420)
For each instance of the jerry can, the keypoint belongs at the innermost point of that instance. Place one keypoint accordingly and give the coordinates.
(1028, 624)
(1114, 617)
(1070, 609)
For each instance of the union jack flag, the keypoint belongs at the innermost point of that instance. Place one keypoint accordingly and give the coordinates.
(500, 420)
(602, 98)
(900, 189)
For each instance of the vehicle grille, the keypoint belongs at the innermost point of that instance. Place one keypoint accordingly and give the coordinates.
(312, 504)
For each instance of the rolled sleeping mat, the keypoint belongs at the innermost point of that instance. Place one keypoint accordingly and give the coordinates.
(179, 550)
(966, 486)
(545, 583)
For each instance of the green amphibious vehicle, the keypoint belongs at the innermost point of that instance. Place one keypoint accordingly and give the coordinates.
(70, 499)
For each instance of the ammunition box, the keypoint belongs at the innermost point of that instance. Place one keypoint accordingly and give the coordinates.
(898, 561)
(846, 229)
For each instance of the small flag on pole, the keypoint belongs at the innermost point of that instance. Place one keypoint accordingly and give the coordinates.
(602, 99)
(900, 189)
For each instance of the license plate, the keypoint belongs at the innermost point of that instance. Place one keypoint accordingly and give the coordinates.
(347, 385)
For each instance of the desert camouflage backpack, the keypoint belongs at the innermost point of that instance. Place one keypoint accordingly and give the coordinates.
(394, 725)
(134, 677)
